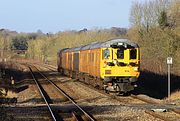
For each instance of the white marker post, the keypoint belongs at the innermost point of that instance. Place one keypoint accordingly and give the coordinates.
(169, 63)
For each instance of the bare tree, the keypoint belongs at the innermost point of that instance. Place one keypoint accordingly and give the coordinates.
(174, 14)
(146, 14)
(136, 14)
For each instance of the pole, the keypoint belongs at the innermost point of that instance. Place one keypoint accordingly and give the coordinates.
(169, 80)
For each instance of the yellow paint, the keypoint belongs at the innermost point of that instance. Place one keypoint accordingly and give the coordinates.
(116, 70)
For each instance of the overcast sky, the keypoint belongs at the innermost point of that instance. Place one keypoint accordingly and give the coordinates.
(61, 15)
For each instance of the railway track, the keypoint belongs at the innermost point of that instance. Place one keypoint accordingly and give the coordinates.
(50, 67)
(154, 114)
(160, 116)
(55, 116)
(149, 112)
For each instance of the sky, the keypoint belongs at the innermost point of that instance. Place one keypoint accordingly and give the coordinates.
(63, 15)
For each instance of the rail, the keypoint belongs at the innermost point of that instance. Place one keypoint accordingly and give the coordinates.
(142, 99)
(158, 116)
(40, 90)
(67, 96)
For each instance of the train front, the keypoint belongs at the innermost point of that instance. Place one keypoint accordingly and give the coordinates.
(120, 66)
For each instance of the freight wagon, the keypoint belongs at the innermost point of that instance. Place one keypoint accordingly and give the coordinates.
(112, 65)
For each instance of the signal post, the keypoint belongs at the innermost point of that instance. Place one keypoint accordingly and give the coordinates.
(169, 63)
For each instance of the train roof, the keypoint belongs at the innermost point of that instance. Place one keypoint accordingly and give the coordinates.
(105, 44)
(89, 46)
(116, 41)
(60, 50)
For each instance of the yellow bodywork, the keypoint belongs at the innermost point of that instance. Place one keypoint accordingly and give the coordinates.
(119, 71)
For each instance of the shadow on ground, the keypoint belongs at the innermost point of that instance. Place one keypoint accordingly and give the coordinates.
(156, 85)
(149, 83)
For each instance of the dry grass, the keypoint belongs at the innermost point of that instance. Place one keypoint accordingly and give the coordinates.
(175, 96)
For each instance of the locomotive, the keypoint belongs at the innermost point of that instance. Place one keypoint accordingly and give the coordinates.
(112, 65)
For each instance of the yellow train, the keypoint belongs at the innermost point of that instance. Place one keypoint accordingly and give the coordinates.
(112, 65)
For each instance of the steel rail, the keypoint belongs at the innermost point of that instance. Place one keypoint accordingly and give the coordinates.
(50, 67)
(132, 95)
(67, 96)
(75, 118)
(158, 116)
(143, 99)
(52, 114)
(177, 111)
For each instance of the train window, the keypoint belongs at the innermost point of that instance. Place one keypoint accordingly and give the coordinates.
(106, 54)
(133, 54)
(120, 54)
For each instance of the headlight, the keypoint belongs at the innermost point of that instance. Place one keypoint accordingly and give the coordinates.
(115, 62)
(136, 69)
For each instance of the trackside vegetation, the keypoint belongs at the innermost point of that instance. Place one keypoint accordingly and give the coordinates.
(154, 25)
(46, 48)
